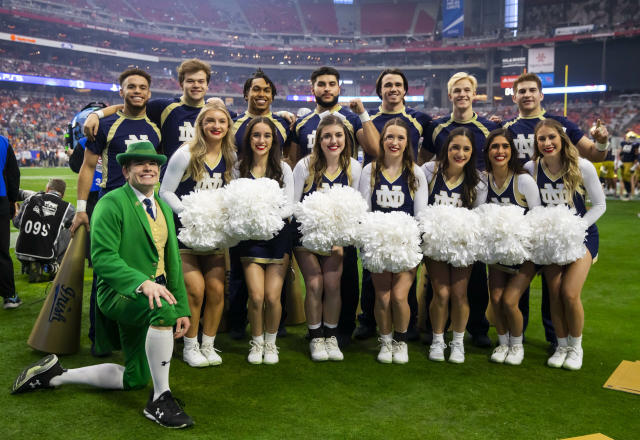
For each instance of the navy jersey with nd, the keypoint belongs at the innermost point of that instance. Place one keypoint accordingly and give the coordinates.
(176, 120)
(305, 130)
(417, 121)
(242, 120)
(115, 133)
(392, 194)
(438, 132)
(440, 193)
(522, 128)
(629, 151)
(328, 181)
(508, 194)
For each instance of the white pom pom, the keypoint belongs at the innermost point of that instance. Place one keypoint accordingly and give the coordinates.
(504, 233)
(330, 218)
(203, 221)
(450, 234)
(389, 242)
(255, 208)
(557, 235)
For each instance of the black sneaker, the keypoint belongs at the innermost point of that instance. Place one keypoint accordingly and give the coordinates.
(363, 332)
(167, 411)
(37, 376)
(12, 302)
(481, 340)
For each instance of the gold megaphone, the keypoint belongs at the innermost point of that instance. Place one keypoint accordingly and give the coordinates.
(57, 329)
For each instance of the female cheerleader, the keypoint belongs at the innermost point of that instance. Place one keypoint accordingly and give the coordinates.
(265, 262)
(330, 163)
(206, 162)
(453, 180)
(564, 178)
(509, 184)
(394, 183)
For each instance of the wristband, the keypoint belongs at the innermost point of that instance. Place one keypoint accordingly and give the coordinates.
(99, 114)
(81, 206)
(364, 117)
(602, 146)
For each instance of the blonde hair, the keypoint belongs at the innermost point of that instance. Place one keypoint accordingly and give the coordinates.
(460, 76)
(317, 161)
(198, 145)
(571, 175)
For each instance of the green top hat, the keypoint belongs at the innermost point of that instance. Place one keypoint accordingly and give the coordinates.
(141, 150)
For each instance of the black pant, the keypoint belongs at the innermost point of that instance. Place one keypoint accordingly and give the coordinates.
(368, 299)
(7, 282)
(349, 291)
(549, 332)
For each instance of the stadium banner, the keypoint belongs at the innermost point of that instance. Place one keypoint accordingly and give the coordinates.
(514, 62)
(77, 47)
(541, 59)
(452, 18)
(572, 30)
(57, 82)
(506, 81)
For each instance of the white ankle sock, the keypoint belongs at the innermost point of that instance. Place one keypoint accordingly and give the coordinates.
(458, 337)
(314, 326)
(438, 337)
(107, 376)
(575, 341)
(270, 338)
(190, 342)
(159, 348)
(208, 340)
(503, 339)
(515, 340)
(327, 325)
(563, 342)
(258, 339)
(387, 338)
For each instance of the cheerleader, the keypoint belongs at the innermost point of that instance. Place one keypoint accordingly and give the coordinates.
(393, 182)
(453, 180)
(205, 162)
(509, 184)
(564, 178)
(329, 164)
(265, 262)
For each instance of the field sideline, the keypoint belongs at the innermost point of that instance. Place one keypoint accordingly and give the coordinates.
(358, 398)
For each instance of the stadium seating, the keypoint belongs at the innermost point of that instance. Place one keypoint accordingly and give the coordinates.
(397, 18)
(320, 17)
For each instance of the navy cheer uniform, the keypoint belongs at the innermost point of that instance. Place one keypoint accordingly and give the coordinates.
(552, 193)
(349, 283)
(522, 129)
(273, 250)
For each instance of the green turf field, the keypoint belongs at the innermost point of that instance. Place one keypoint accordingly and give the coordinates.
(359, 398)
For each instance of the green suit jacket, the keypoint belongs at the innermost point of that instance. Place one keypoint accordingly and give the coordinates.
(124, 256)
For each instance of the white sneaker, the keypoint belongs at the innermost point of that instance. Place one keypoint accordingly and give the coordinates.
(192, 356)
(333, 350)
(573, 361)
(255, 353)
(318, 350)
(385, 355)
(400, 353)
(516, 355)
(500, 353)
(436, 351)
(456, 355)
(557, 358)
(210, 352)
(270, 353)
